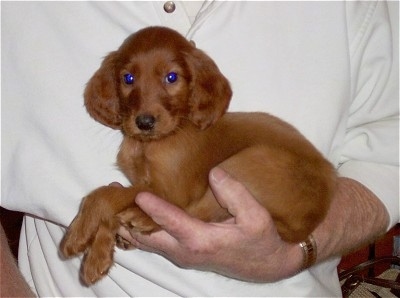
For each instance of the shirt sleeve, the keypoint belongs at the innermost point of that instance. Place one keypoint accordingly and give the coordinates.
(370, 153)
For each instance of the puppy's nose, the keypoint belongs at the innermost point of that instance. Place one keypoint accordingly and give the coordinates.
(145, 122)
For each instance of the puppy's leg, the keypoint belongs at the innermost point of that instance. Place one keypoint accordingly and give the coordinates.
(295, 187)
(93, 231)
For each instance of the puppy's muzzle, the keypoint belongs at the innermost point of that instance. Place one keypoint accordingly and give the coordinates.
(145, 122)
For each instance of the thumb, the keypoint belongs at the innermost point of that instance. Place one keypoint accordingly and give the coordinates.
(169, 217)
(234, 196)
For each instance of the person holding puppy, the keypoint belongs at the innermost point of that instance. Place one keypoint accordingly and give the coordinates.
(326, 68)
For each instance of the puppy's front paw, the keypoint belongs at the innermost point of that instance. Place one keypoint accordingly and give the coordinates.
(70, 245)
(78, 237)
(93, 231)
(99, 258)
(83, 228)
(135, 219)
(124, 244)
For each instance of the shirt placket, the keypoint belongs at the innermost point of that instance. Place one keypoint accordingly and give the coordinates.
(172, 14)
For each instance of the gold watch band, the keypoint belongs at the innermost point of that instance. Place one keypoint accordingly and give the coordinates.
(309, 247)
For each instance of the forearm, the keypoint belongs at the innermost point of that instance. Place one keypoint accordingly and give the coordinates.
(12, 284)
(356, 218)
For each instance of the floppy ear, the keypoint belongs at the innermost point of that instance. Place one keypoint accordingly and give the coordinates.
(211, 91)
(101, 98)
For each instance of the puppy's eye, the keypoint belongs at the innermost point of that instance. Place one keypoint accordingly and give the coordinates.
(171, 77)
(129, 78)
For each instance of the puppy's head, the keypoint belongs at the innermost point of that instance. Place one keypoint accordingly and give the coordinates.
(153, 83)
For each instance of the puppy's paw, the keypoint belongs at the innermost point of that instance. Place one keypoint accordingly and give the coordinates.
(135, 219)
(78, 238)
(83, 228)
(124, 244)
(99, 258)
(70, 245)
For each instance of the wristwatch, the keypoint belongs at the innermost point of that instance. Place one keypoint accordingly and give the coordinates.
(309, 247)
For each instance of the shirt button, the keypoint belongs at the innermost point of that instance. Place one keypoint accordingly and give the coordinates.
(169, 6)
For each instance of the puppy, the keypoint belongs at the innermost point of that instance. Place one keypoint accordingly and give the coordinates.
(169, 100)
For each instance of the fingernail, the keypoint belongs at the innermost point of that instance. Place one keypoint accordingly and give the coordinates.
(218, 175)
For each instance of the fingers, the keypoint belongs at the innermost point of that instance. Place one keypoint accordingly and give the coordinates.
(175, 223)
(179, 228)
(190, 243)
(158, 242)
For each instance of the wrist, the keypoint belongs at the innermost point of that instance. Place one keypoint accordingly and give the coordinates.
(291, 262)
(300, 257)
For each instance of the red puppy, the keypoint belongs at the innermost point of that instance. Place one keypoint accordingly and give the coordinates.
(169, 100)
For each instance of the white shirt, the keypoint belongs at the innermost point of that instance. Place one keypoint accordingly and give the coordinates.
(325, 67)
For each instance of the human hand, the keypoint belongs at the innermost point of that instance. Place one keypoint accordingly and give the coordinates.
(246, 246)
